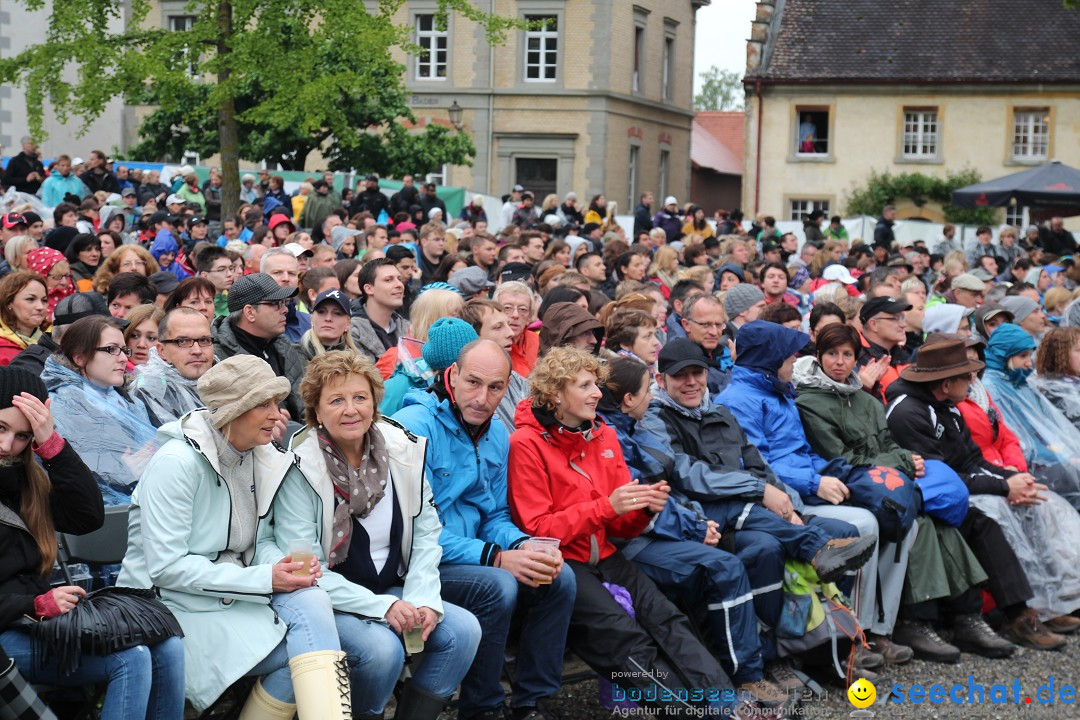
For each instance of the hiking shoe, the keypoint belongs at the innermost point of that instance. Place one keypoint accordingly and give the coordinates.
(842, 554)
(1028, 631)
(924, 641)
(499, 713)
(893, 652)
(780, 673)
(972, 634)
(864, 673)
(1063, 624)
(765, 692)
(867, 659)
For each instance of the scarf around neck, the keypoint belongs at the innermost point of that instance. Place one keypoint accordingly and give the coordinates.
(358, 489)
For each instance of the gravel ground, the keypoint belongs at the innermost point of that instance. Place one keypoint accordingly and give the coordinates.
(578, 701)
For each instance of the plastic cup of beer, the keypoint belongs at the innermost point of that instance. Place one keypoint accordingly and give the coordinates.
(550, 548)
(414, 639)
(302, 551)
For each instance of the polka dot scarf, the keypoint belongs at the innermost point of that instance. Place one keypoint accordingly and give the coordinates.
(42, 261)
(356, 490)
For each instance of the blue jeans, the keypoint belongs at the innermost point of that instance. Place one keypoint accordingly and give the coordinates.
(310, 618)
(495, 598)
(379, 654)
(142, 682)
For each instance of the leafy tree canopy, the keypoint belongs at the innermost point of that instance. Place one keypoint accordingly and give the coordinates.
(721, 90)
(883, 189)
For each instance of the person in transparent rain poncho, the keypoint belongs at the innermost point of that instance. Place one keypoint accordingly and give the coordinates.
(1057, 371)
(1042, 527)
(111, 433)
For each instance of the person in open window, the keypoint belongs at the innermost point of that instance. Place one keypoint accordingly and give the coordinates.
(807, 134)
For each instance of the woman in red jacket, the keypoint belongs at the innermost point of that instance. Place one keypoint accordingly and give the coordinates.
(568, 480)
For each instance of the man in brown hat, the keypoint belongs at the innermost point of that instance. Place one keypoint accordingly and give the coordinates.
(923, 418)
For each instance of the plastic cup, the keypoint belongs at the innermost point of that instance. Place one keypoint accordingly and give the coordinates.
(303, 552)
(414, 639)
(549, 547)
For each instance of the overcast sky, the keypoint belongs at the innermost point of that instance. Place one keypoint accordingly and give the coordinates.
(722, 30)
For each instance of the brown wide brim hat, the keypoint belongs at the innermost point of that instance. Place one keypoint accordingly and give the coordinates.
(939, 361)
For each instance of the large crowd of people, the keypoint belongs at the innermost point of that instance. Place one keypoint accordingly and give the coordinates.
(367, 447)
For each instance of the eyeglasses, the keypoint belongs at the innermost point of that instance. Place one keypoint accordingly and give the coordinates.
(132, 264)
(276, 304)
(205, 341)
(520, 310)
(709, 326)
(114, 350)
(60, 277)
(226, 269)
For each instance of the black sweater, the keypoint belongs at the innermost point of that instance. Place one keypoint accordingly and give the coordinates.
(77, 508)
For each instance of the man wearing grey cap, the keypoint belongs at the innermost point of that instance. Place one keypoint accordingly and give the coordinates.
(966, 290)
(1026, 313)
(255, 326)
(471, 282)
(743, 303)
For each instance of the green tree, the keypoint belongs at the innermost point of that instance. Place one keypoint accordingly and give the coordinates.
(721, 90)
(315, 72)
(883, 189)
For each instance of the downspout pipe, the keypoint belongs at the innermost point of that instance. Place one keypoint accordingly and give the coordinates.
(757, 152)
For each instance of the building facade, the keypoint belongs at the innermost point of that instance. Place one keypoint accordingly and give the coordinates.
(836, 89)
(595, 97)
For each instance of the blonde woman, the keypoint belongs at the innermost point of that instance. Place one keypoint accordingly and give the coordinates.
(331, 314)
(665, 267)
(426, 309)
(16, 250)
(141, 333)
(126, 258)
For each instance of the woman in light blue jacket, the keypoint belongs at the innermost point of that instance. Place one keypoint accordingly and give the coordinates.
(360, 497)
(195, 517)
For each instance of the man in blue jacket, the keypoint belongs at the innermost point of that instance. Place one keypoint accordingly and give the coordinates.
(484, 568)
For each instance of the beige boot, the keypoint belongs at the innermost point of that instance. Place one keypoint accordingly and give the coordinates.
(260, 706)
(321, 685)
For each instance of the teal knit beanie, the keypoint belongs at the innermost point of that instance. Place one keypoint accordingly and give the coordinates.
(446, 338)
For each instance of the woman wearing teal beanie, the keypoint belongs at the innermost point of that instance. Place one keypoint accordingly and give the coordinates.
(446, 337)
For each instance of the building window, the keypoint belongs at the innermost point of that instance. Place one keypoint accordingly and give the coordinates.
(183, 23)
(639, 56)
(1016, 215)
(539, 175)
(541, 48)
(665, 158)
(1031, 134)
(439, 178)
(799, 209)
(431, 62)
(667, 71)
(812, 136)
(920, 134)
(632, 175)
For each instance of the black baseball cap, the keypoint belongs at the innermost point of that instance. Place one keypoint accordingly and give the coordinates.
(77, 306)
(879, 305)
(769, 246)
(196, 220)
(680, 354)
(515, 271)
(255, 288)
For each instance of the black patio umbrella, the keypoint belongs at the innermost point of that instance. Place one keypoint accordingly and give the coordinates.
(1048, 186)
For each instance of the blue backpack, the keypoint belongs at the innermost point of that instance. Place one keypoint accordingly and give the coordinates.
(884, 491)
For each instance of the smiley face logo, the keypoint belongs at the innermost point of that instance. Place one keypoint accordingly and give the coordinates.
(862, 693)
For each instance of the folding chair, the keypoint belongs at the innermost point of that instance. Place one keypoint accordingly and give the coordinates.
(104, 546)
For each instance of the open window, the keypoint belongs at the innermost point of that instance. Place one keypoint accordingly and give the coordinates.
(812, 132)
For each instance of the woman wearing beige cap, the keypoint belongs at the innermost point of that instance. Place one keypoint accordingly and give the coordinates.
(192, 532)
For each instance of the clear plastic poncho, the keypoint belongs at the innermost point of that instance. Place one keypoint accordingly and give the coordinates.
(1044, 540)
(166, 393)
(112, 435)
(1051, 443)
(1063, 391)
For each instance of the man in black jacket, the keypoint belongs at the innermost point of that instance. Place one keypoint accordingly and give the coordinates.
(883, 231)
(643, 215)
(924, 419)
(97, 175)
(406, 197)
(370, 199)
(25, 172)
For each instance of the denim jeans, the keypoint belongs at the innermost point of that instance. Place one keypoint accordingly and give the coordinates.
(494, 596)
(378, 653)
(310, 619)
(142, 682)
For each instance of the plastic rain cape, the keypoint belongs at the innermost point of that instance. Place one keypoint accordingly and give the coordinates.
(1063, 392)
(112, 436)
(1050, 442)
(166, 393)
(1044, 540)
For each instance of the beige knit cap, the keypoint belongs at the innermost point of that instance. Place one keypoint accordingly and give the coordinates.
(237, 384)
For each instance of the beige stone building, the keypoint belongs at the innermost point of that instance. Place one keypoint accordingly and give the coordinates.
(837, 88)
(596, 99)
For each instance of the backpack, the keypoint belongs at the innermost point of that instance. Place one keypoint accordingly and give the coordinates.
(886, 492)
(814, 613)
(944, 494)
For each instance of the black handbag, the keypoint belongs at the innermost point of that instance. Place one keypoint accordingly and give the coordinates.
(105, 621)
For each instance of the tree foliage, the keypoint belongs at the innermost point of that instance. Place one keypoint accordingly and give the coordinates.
(721, 90)
(265, 77)
(883, 189)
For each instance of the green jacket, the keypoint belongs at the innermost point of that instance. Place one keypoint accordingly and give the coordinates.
(178, 525)
(841, 420)
(304, 510)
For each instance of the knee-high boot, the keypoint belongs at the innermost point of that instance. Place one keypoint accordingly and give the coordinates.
(18, 700)
(418, 704)
(260, 705)
(321, 685)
